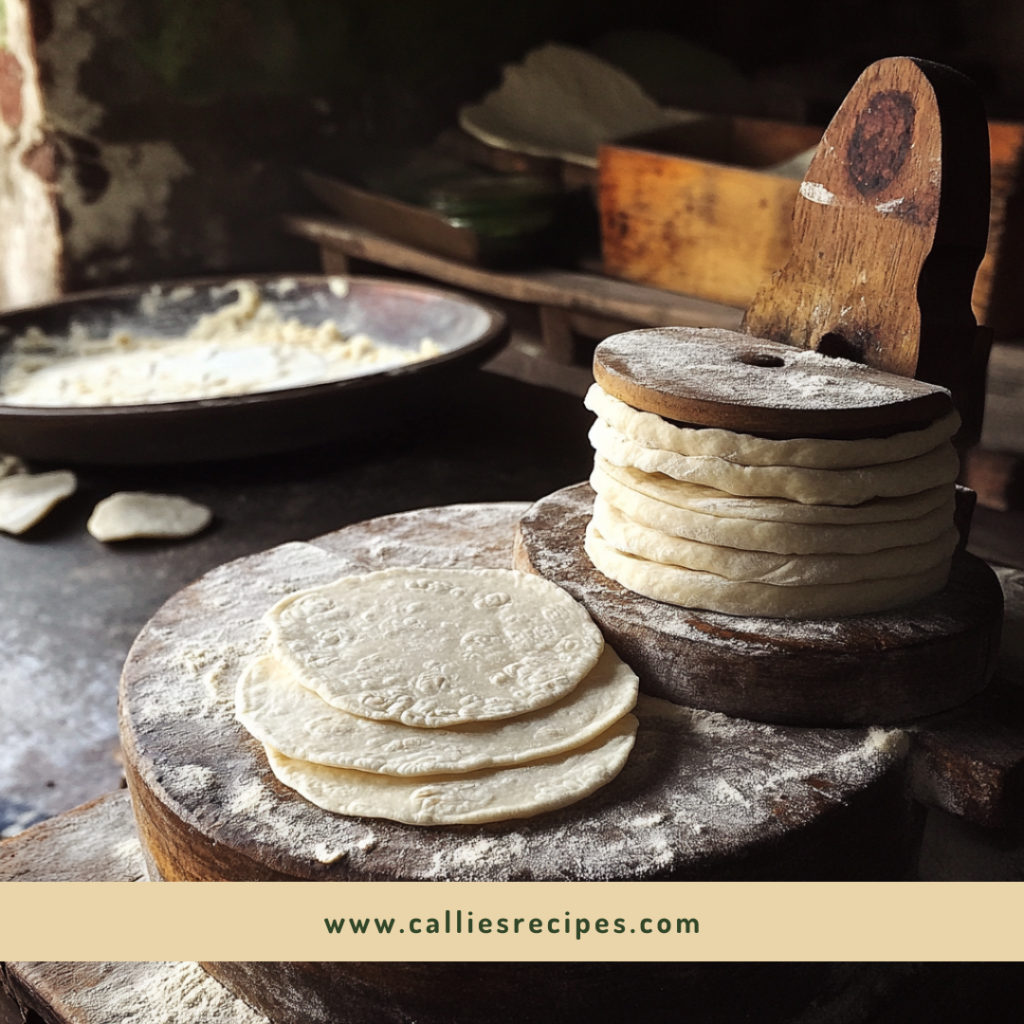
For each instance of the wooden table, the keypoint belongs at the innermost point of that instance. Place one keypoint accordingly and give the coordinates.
(569, 302)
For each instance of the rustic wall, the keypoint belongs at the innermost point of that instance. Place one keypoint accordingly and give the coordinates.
(162, 138)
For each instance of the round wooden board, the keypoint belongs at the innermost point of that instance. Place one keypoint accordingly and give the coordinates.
(866, 669)
(701, 797)
(717, 378)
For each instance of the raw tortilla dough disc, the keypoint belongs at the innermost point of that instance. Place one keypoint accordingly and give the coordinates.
(636, 497)
(651, 431)
(690, 589)
(296, 722)
(25, 499)
(436, 647)
(491, 794)
(713, 502)
(764, 567)
(809, 486)
(127, 515)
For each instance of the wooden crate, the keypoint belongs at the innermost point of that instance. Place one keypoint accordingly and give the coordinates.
(688, 209)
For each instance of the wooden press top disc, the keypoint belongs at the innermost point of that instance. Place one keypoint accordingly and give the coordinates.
(701, 796)
(712, 377)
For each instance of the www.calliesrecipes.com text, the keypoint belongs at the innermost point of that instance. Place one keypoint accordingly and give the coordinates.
(460, 922)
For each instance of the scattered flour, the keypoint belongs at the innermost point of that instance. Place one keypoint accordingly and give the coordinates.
(162, 993)
(244, 347)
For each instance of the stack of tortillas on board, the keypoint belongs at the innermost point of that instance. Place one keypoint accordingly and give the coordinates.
(797, 527)
(439, 696)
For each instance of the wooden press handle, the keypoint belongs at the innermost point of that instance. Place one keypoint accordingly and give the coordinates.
(889, 229)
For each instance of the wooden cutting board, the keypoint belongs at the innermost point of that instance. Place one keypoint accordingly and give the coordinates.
(701, 797)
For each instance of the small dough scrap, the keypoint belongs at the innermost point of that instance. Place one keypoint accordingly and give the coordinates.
(691, 589)
(128, 515)
(804, 537)
(436, 647)
(25, 498)
(764, 567)
(651, 431)
(809, 486)
(472, 798)
(284, 715)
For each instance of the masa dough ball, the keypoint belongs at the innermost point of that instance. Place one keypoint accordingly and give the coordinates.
(435, 647)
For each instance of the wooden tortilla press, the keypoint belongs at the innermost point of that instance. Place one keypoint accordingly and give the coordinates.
(894, 207)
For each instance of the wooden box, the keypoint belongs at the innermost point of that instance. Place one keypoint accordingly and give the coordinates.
(690, 209)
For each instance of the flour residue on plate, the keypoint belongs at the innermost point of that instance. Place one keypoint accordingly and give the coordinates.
(242, 348)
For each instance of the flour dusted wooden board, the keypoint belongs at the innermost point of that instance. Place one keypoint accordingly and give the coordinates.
(883, 668)
(702, 795)
(147, 992)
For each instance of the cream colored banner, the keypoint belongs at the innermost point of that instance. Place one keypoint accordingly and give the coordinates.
(511, 921)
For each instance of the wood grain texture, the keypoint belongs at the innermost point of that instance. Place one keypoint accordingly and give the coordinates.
(970, 762)
(865, 669)
(156, 992)
(894, 207)
(577, 292)
(208, 807)
(693, 209)
(724, 379)
(93, 843)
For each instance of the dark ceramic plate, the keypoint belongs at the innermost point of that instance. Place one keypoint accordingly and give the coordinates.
(270, 421)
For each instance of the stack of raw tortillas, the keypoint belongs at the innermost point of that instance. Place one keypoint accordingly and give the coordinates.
(439, 696)
(800, 528)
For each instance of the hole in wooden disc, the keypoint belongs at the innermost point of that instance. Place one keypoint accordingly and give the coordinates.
(833, 344)
(761, 359)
